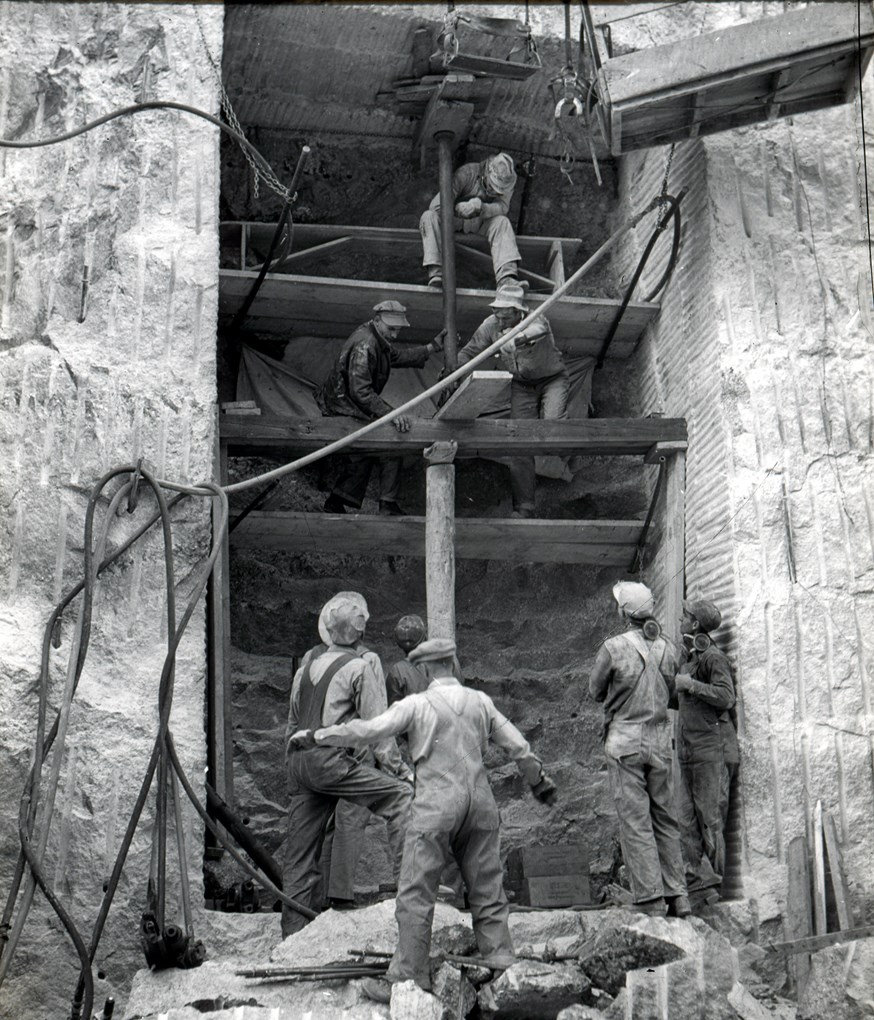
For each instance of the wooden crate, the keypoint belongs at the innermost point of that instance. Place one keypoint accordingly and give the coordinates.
(553, 891)
(537, 861)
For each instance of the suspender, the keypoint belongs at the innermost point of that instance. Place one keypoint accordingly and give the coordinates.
(312, 698)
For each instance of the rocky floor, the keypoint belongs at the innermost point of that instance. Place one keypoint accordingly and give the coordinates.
(573, 965)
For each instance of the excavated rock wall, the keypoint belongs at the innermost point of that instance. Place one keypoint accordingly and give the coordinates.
(87, 384)
(764, 345)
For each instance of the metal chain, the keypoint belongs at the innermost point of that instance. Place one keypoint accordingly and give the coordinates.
(265, 171)
(664, 191)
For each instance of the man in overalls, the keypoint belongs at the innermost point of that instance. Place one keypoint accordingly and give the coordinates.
(707, 749)
(336, 686)
(448, 727)
(633, 675)
(345, 829)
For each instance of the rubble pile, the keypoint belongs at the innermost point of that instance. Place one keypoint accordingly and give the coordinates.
(573, 965)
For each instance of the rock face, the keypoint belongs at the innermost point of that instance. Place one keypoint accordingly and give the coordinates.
(92, 376)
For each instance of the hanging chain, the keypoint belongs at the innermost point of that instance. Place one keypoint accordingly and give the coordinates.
(663, 197)
(265, 172)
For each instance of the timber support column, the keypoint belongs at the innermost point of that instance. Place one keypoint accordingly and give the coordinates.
(445, 140)
(440, 538)
(675, 543)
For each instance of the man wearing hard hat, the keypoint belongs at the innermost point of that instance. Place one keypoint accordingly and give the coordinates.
(707, 749)
(448, 727)
(540, 385)
(633, 676)
(353, 389)
(336, 686)
(481, 194)
(345, 829)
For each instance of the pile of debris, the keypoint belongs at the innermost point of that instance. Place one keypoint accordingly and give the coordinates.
(575, 965)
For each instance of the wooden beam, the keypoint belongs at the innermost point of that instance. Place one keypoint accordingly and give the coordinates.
(675, 544)
(778, 85)
(485, 257)
(555, 262)
(317, 251)
(319, 306)
(440, 539)
(816, 942)
(442, 115)
(497, 437)
(475, 394)
(797, 919)
(820, 925)
(836, 871)
(532, 249)
(663, 450)
(600, 543)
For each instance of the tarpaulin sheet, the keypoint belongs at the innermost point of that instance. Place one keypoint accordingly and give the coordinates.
(288, 387)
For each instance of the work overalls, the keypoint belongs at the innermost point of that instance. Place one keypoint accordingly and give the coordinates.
(639, 768)
(453, 812)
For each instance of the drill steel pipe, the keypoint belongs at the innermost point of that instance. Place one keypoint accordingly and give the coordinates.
(447, 247)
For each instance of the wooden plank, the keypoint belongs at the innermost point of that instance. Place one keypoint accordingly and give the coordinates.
(475, 394)
(492, 66)
(601, 543)
(737, 50)
(836, 871)
(305, 234)
(555, 263)
(664, 450)
(315, 306)
(316, 251)
(820, 926)
(797, 919)
(440, 539)
(481, 438)
(675, 544)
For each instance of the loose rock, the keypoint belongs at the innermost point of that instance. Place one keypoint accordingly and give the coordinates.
(532, 991)
(447, 984)
(409, 1002)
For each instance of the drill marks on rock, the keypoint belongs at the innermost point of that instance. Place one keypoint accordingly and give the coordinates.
(170, 291)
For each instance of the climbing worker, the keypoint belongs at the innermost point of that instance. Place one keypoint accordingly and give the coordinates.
(454, 812)
(633, 675)
(481, 193)
(403, 677)
(707, 750)
(345, 828)
(353, 389)
(540, 385)
(334, 687)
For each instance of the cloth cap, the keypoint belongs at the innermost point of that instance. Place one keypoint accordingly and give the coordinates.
(501, 173)
(429, 651)
(346, 600)
(509, 295)
(706, 613)
(410, 631)
(393, 313)
(634, 598)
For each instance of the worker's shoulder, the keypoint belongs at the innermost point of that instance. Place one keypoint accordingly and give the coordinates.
(362, 337)
(713, 656)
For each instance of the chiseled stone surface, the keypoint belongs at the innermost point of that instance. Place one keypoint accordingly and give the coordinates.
(532, 991)
(134, 201)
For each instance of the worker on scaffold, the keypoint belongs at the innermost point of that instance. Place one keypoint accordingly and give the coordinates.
(481, 193)
(353, 389)
(541, 383)
(633, 675)
(454, 812)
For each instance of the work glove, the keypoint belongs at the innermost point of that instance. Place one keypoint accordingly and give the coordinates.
(545, 790)
(303, 740)
(683, 682)
(468, 210)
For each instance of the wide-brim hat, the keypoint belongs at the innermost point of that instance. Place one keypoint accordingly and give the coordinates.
(509, 295)
(353, 597)
(501, 173)
(393, 313)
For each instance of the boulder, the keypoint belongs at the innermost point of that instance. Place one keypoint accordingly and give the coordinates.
(532, 991)
(860, 976)
(620, 947)
(447, 984)
(409, 1002)
(746, 1005)
(826, 993)
(580, 1013)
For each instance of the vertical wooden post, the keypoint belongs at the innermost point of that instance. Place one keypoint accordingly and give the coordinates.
(440, 538)
(675, 544)
(444, 141)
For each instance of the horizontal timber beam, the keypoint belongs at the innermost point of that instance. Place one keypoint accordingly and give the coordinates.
(485, 437)
(598, 543)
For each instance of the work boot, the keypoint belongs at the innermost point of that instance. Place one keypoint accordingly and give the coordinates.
(699, 898)
(678, 906)
(655, 907)
(435, 277)
(376, 989)
(524, 512)
(338, 903)
(334, 505)
(390, 508)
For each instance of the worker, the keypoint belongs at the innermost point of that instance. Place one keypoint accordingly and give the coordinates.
(540, 385)
(403, 677)
(345, 828)
(481, 194)
(353, 389)
(707, 750)
(633, 675)
(334, 687)
(454, 812)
